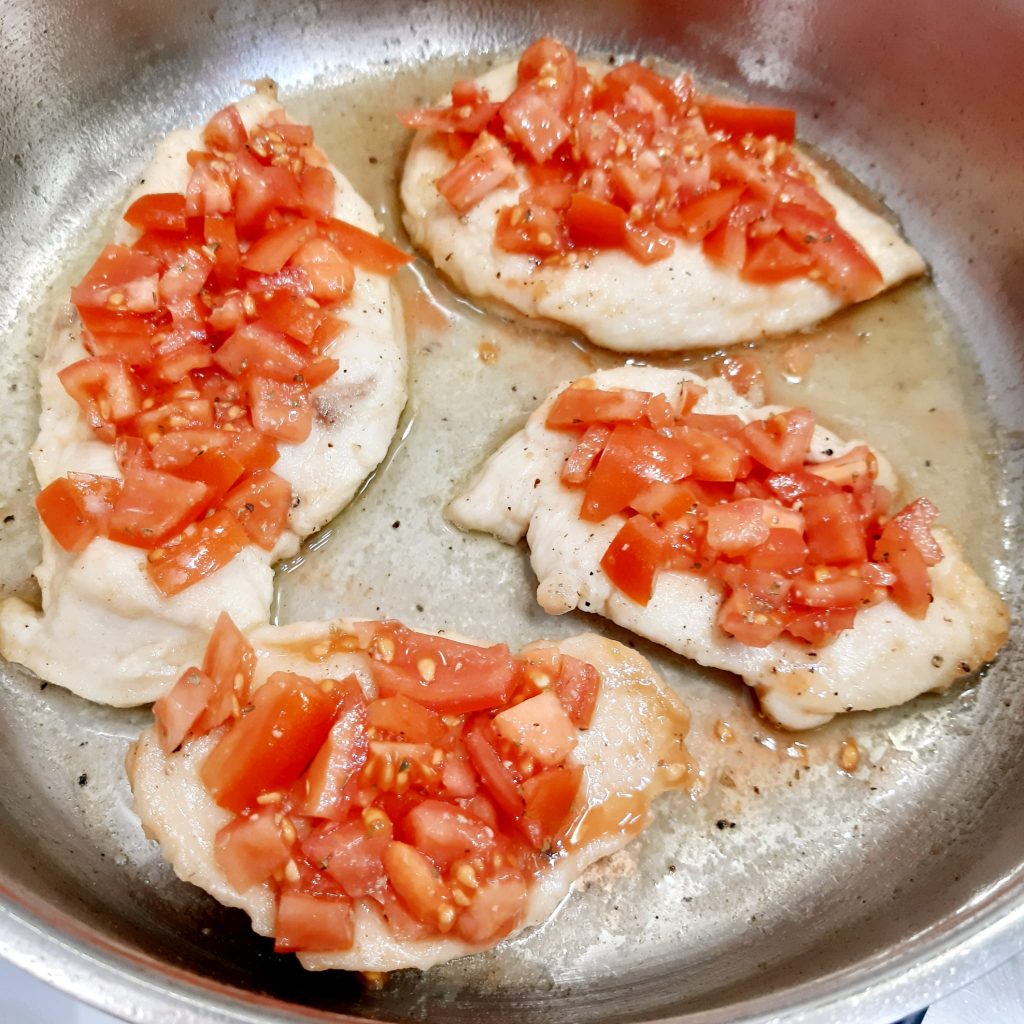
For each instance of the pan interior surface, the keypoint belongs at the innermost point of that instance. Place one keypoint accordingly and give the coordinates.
(785, 885)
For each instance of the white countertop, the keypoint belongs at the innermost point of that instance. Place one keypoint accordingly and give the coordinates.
(998, 998)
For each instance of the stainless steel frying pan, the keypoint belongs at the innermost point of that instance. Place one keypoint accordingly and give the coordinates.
(827, 903)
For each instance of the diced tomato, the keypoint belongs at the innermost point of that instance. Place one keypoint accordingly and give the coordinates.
(497, 907)
(484, 168)
(742, 373)
(267, 749)
(578, 407)
(844, 264)
(783, 551)
(120, 279)
(577, 688)
(738, 527)
(469, 111)
(445, 833)
(352, 853)
(182, 447)
(177, 711)
(404, 719)
(775, 260)
(367, 251)
(726, 245)
(747, 619)
(77, 508)
(498, 780)
(153, 506)
(261, 503)
(781, 442)
(555, 63)
(443, 675)
(158, 211)
(714, 459)
(225, 131)
(416, 882)
(330, 272)
(250, 849)
(280, 410)
(317, 186)
(215, 468)
(272, 250)
(647, 243)
(835, 535)
(634, 557)
(818, 626)
(253, 449)
(193, 556)
(580, 461)
(219, 235)
(329, 782)
(540, 727)
(699, 217)
(549, 798)
(849, 470)
(313, 923)
(319, 372)
(255, 349)
(738, 119)
(260, 190)
(111, 333)
(105, 390)
(228, 663)
(533, 120)
(907, 547)
(531, 230)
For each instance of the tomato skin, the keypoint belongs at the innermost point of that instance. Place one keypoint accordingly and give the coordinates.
(249, 850)
(634, 557)
(267, 749)
(580, 462)
(188, 559)
(313, 923)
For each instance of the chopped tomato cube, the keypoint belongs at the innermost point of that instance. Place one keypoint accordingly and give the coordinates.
(250, 849)
(578, 407)
(404, 719)
(634, 557)
(330, 272)
(225, 131)
(580, 461)
(532, 120)
(497, 907)
(739, 119)
(835, 535)
(193, 556)
(781, 442)
(228, 663)
(313, 923)
(445, 833)
(540, 727)
(549, 798)
(105, 390)
(280, 410)
(497, 779)
(255, 349)
(267, 749)
(261, 503)
(153, 506)
(737, 527)
(272, 250)
(818, 626)
(416, 882)
(577, 688)
(330, 779)
(77, 508)
(177, 711)
(318, 187)
(530, 229)
(120, 279)
(352, 853)
(484, 168)
(164, 211)
(367, 251)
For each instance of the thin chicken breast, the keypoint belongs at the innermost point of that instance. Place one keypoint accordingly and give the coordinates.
(104, 631)
(682, 302)
(885, 659)
(632, 751)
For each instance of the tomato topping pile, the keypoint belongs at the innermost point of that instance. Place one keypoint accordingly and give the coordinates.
(635, 160)
(435, 802)
(797, 546)
(206, 338)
